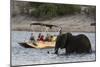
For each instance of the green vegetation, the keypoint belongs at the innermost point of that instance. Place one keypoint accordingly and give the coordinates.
(92, 11)
(47, 10)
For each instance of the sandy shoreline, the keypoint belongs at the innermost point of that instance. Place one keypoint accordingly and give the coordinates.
(74, 23)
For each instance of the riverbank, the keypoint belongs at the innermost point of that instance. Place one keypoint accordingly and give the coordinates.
(72, 23)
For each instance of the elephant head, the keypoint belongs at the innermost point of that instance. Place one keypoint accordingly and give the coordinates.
(79, 43)
(61, 41)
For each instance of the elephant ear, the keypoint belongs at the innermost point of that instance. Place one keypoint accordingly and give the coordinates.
(58, 41)
(69, 35)
(64, 39)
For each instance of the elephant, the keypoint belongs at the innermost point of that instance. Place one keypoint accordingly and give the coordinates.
(71, 43)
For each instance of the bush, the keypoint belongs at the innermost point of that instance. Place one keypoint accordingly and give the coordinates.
(47, 10)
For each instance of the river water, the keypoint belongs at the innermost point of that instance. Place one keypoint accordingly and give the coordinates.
(31, 56)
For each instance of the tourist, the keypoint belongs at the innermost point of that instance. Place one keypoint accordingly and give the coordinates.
(39, 37)
(42, 38)
(32, 37)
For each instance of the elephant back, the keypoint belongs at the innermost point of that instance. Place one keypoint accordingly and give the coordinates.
(79, 44)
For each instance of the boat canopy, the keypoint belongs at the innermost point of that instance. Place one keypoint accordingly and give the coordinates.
(42, 24)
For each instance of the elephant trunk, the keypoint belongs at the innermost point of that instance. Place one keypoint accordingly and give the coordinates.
(56, 50)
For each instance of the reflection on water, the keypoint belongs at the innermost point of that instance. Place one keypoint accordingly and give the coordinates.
(27, 56)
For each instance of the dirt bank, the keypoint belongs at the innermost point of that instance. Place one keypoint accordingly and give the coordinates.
(80, 23)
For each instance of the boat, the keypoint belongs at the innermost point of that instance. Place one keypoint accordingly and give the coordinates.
(39, 44)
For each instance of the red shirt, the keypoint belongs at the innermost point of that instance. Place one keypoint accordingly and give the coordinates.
(42, 38)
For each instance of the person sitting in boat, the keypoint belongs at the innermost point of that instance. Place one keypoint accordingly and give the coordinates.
(39, 37)
(32, 38)
(47, 37)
